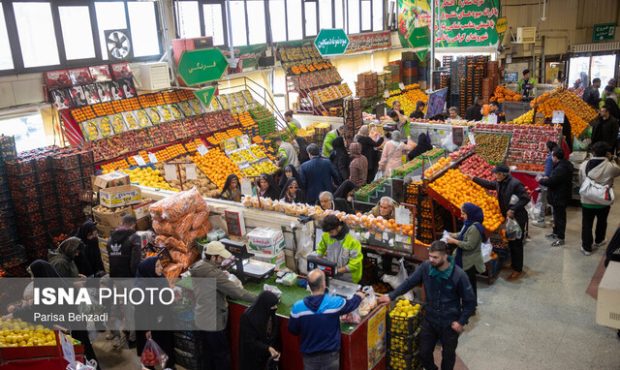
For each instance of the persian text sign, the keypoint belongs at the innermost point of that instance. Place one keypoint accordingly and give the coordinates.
(332, 41)
(202, 66)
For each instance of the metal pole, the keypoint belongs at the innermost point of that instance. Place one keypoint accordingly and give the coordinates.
(432, 61)
(229, 33)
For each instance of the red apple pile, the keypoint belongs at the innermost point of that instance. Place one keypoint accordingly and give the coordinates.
(476, 166)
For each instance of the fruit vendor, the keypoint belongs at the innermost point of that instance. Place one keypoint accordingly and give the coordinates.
(286, 153)
(340, 247)
(450, 301)
(292, 123)
(402, 123)
(527, 84)
(386, 208)
(327, 142)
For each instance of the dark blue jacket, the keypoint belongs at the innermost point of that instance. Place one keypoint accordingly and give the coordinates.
(318, 175)
(548, 165)
(317, 320)
(447, 300)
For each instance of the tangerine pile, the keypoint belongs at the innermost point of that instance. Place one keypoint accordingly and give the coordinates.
(437, 167)
(457, 189)
(216, 165)
(502, 94)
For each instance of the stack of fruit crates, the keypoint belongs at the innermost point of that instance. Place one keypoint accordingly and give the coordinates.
(188, 350)
(352, 108)
(403, 336)
(265, 120)
(10, 254)
(429, 221)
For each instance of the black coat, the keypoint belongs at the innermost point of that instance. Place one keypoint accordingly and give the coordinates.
(124, 251)
(505, 190)
(473, 113)
(340, 158)
(369, 151)
(303, 150)
(560, 184)
(605, 130)
(89, 260)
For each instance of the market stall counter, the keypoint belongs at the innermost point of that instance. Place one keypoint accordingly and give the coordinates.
(362, 345)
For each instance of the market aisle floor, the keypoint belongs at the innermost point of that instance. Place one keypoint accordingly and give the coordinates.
(545, 321)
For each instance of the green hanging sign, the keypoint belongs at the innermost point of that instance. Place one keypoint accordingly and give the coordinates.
(331, 41)
(420, 38)
(202, 66)
(205, 95)
(603, 32)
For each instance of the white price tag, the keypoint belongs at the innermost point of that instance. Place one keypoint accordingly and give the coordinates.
(401, 238)
(68, 351)
(170, 172)
(202, 149)
(385, 235)
(403, 215)
(492, 118)
(401, 85)
(386, 94)
(472, 138)
(558, 117)
(139, 160)
(190, 172)
(152, 158)
(246, 187)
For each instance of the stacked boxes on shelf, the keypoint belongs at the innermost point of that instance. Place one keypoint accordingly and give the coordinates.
(188, 350)
(265, 120)
(10, 254)
(267, 245)
(367, 85)
(404, 323)
(429, 219)
(352, 117)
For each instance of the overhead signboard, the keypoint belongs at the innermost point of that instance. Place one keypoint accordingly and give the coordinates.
(202, 66)
(331, 41)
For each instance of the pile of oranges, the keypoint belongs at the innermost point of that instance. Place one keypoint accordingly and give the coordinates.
(457, 189)
(437, 167)
(503, 94)
(216, 165)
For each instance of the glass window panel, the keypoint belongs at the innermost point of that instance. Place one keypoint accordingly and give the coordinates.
(28, 131)
(377, 15)
(579, 69)
(295, 25)
(143, 23)
(35, 28)
(339, 13)
(237, 16)
(310, 15)
(353, 16)
(325, 13)
(77, 32)
(277, 18)
(188, 19)
(6, 58)
(258, 30)
(366, 16)
(110, 16)
(603, 67)
(214, 25)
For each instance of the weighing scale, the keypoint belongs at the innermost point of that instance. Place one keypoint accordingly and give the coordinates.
(244, 267)
(337, 287)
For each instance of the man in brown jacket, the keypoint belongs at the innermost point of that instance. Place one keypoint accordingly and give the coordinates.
(358, 169)
(211, 315)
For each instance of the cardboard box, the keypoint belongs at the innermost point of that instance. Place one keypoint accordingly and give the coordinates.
(111, 218)
(120, 196)
(141, 210)
(111, 180)
(104, 230)
(608, 301)
(143, 223)
(278, 259)
(270, 249)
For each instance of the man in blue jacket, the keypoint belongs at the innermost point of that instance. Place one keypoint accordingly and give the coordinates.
(450, 301)
(316, 319)
(317, 175)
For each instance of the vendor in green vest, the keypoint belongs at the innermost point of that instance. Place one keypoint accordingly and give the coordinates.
(328, 148)
(291, 122)
(402, 123)
(527, 84)
(340, 247)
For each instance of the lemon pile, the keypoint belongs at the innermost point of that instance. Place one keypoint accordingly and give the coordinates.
(16, 333)
(402, 317)
(148, 177)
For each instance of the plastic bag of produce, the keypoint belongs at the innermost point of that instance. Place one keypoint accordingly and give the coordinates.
(448, 144)
(178, 205)
(153, 355)
(486, 249)
(513, 230)
(402, 276)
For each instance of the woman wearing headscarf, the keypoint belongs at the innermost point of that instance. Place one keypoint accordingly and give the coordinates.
(423, 145)
(63, 259)
(392, 156)
(291, 193)
(369, 150)
(468, 254)
(289, 172)
(150, 274)
(265, 188)
(232, 189)
(340, 158)
(259, 333)
(89, 261)
(358, 169)
(343, 197)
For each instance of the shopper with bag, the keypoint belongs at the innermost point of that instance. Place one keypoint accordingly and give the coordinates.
(450, 302)
(392, 156)
(259, 334)
(597, 179)
(468, 252)
(560, 185)
(512, 199)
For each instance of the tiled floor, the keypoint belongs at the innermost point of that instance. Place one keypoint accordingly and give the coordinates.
(543, 322)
